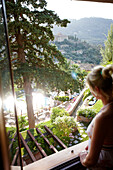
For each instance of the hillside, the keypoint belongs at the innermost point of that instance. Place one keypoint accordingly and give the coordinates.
(79, 51)
(92, 30)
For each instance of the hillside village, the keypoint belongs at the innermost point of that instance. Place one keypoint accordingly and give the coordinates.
(77, 51)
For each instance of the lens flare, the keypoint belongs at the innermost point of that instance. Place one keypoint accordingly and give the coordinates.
(74, 75)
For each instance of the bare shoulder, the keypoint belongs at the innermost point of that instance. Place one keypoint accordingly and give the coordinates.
(105, 117)
(100, 118)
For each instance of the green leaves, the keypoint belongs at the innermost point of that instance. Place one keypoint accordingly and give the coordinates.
(107, 52)
(56, 111)
(62, 98)
(89, 113)
(65, 125)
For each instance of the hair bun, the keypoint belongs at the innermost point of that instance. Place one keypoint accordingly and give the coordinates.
(107, 71)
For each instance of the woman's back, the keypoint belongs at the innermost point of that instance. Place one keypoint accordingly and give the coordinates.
(107, 117)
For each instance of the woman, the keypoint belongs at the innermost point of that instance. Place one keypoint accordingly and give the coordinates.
(100, 131)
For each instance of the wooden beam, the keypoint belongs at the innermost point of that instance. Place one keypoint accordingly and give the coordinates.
(56, 159)
(55, 137)
(47, 141)
(27, 148)
(15, 157)
(12, 141)
(37, 144)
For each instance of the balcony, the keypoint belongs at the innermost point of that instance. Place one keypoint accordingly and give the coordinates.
(55, 159)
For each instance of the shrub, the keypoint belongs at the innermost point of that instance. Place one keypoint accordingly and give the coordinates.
(22, 123)
(64, 125)
(56, 111)
(12, 131)
(86, 113)
(62, 98)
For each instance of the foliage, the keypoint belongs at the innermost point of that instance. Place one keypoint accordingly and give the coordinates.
(76, 81)
(107, 52)
(78, 50)
(79, 75)
(12, 131)
(22, 123)
(64, 125)
(56, 111)
(86, 93)
(14, 148)
(41, 125)
(30, 34)
(4, 61)
(62, 98)
(34, 59)
(86, 113)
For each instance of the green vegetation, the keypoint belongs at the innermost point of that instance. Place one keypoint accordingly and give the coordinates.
(62, 98)
(22, 123)
(56, 111)
(34, 60)
(107, 51)
(66, 125)
(86, 113)
(86, 93)
(62, 125)
(75, 49)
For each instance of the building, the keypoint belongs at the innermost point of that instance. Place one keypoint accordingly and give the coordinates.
(60, 37)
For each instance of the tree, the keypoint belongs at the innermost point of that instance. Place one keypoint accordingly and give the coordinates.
(76, 78)
(30, 24)
(4, 62)
(107, 52)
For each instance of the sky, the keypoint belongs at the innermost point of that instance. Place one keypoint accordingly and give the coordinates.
(70, 9)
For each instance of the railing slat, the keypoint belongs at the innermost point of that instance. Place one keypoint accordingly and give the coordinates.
(55, 137)
(15, 157)
(37, 144)
(47, 141)
(12, 141)
(27, 148)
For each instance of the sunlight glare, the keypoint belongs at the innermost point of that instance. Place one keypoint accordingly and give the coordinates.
(38, 100)
(9, 103)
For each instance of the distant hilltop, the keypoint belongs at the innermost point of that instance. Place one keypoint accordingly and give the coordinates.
(60, 37)
(93, 30)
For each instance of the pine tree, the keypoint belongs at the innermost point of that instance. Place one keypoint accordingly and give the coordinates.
(34, 58)
(4, 62)
(107, 52)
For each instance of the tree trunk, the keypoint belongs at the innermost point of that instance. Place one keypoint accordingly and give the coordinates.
(27, 83)
(29, 99)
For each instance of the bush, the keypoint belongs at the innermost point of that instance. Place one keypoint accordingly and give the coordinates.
(22, 123)
(64, 125)
(62, 98)
(86, 113)
(56, 111)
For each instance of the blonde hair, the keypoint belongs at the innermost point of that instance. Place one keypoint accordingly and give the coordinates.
(102, 77)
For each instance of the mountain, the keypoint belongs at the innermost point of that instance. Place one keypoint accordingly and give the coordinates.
(93, 30)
